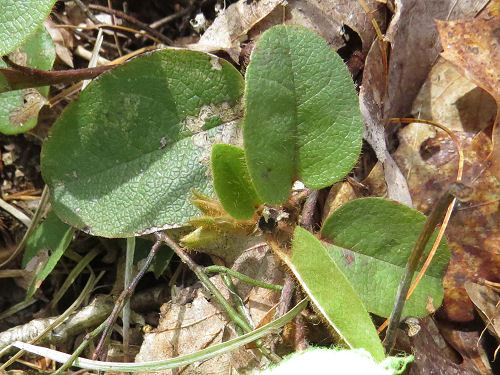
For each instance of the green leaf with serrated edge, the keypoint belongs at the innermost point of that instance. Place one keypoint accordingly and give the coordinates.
(331, 293)
(19, 109)
(232, 182)
(302, 116)
(52, 235)
(19, 20)
(377, 236)
(123, 159)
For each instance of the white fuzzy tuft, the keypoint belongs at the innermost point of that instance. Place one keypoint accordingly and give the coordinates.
(322, 361)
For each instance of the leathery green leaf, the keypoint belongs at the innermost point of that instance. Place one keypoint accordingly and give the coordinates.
(302, 116)
(374, 238)
(19, 109)
(232, 182)
(20, 19)
(123, 159)
(331, 293)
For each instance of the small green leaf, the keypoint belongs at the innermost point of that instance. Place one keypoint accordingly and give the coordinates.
(332, 294)
(53, 235)
(19, 109)
(20, 19)
(376, 237)
(232, 182)
(123, 159)
(302, 116)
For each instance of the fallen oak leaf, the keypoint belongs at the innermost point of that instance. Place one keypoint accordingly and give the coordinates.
(473, 46)
(383, 96)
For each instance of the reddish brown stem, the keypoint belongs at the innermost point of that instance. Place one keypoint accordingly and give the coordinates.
(21, 77)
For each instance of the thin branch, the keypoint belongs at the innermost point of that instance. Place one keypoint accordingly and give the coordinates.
(436, 215)
(205, 280)
(18, 214)
(307, 217)
(124, 296)
(198, 270)
(87, 12)
(115, 35)
(169, 18)
(164, 39)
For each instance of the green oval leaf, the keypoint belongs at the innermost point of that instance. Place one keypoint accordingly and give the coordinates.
(376, 237)
(302, 116)
(19, 109)
(20, 19)
(122, 160)
(232, 182)
(331, 293)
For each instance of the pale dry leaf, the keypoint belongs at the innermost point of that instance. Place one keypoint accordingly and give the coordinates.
(199, 322)
(339, 194)
(231, 26)
(454, 101)
(63, 41)
(371, 102)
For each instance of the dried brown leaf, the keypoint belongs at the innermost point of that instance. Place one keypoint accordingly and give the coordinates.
(414, 48)
(434, 356)
(428, 158)
(187, 326)
(473, 45)
(487, 303)
(63, 41)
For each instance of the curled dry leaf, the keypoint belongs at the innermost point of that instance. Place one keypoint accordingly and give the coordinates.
(468, 344)
(231, 26)
(63, 41)
(414, 48)
(371, 99)
(434, 356)
(487, 303)
(329, 18)
(473, 46)
(429, 161)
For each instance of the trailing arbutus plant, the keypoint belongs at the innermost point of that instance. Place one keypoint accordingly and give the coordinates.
(149, 144)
